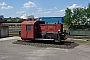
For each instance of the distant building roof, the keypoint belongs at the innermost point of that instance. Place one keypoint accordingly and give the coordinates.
(29, 22)
(2, 17)
(52, 19)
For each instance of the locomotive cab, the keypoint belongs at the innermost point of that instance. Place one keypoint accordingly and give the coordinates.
(27, 30)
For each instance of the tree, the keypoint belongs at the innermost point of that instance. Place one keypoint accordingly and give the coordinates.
(68, 17)
(83, 15)
(78, 16)
(88, 11)
(10, 18)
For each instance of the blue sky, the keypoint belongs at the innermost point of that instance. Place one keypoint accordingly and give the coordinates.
(38, 8)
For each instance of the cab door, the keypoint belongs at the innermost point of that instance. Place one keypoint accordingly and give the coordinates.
(29, 29)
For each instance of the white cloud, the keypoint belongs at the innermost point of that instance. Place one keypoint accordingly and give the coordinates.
(20, 12)
(55, 7)
(6, 7)
(45, 9)
(29, 4)
(42, 9)
(62, 11)
(3, 4)
(59, 13)
(48, 9)
(74, 6)
(42, 13)
(39, 10)
(45, 13)
(13, 16)
(48, 12)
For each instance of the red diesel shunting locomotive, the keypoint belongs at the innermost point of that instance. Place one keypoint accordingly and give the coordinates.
(39, 30)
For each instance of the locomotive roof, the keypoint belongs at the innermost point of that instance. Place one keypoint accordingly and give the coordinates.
(29, 22)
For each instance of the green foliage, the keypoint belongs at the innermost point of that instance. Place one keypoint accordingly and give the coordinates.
(11, 19)
(88, 11)
(77, 16)
(67, 17)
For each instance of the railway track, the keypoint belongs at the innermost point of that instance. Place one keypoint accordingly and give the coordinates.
(63, 45)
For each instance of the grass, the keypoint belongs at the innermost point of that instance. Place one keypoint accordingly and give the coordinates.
(80, 41)
(14, 33)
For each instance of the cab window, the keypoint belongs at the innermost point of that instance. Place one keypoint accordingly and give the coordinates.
(28, 27)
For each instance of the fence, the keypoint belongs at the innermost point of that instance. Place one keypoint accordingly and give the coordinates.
(14, 31)
(79, 32)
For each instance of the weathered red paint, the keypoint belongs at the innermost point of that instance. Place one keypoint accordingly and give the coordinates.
(27, 34)
(35, 28)
(50, 27)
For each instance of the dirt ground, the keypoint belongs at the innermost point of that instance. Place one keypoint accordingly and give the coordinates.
(9, 51)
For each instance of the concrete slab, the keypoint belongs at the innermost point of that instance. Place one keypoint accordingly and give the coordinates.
(10, 38)
(77, 39)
